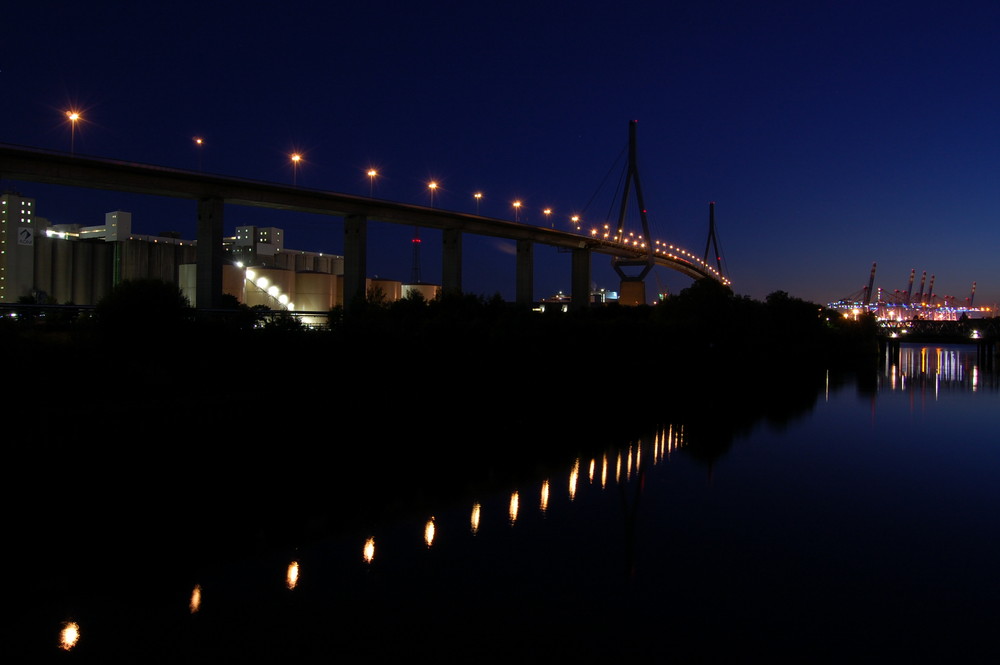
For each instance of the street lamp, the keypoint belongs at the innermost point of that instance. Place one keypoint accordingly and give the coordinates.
(199, 143)
(478, 196)
(74, 117)
(433, 187)
(371, 182)
(576, 221)
(517, 211)
(548, 215)
(296, 158)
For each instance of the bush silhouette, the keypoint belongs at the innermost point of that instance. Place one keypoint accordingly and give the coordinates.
(146, 303)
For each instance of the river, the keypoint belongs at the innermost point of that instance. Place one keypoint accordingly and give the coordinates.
(862, 527)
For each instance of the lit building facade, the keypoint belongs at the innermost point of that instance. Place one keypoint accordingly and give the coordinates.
(17, 246)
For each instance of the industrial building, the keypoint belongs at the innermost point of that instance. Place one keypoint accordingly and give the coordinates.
(75, 264)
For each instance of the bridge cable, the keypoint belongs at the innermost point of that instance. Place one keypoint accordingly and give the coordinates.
(601, 186)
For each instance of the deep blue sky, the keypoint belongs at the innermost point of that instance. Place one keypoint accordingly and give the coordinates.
(831, 135)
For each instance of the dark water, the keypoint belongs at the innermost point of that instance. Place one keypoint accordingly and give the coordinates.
(863, 528)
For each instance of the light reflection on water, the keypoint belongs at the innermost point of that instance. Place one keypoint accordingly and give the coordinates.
(858, 532)
(937, 367)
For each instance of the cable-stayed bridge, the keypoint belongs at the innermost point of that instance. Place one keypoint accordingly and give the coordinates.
(213, 192)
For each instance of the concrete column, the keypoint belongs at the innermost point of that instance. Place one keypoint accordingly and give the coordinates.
(580, 279)
(355, 257)
(451, 261)
(208, 284)
(524, 289)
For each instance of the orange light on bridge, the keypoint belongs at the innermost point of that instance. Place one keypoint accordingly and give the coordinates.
(73, 117)
(199, 143)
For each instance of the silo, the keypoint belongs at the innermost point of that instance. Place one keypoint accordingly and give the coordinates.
(269, 286)
(392, 290)
(187, 282)
(428, 291)
(234, 281)
(315, 292)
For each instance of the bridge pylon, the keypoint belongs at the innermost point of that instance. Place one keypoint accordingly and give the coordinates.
(633, 288)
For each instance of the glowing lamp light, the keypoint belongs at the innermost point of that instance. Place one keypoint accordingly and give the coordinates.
(474, 518)
(69, 635)
(429, 532)
(73, 117)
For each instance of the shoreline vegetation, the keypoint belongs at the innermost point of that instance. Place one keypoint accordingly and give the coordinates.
(220, 427)
(460, 359)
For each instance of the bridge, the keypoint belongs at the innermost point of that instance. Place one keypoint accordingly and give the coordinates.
(212, 192)
(983, 333)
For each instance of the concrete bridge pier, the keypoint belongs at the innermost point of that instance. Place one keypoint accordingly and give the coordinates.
(208, 283)
(633, 292)
(451, 261)
(524, 289)
(355, 258)
(580, 279)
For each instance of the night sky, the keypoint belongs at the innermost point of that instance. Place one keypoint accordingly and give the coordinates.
(830, 135)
